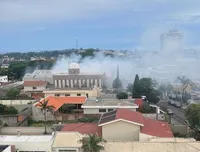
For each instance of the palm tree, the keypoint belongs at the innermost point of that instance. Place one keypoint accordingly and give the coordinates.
(92, 143)
(44, 106)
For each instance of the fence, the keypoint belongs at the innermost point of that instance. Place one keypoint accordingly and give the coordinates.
(16, 102)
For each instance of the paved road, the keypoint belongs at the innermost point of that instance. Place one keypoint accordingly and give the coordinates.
(178, 112)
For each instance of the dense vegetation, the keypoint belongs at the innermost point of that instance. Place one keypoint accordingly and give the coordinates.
(5, 110)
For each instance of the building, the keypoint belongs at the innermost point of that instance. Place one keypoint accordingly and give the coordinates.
(99, 106)
(73, 92)
(4, 79)
(35, 86)
(75, 79)
(171, 41)
(135, 126)
(39, 75)
(56, 103)
(28, 143)
(5, 66)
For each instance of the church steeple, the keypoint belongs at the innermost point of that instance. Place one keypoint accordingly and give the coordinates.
(117, 84)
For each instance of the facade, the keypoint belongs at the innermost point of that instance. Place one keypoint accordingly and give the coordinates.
(35, 86)
(73, 92)
(39, 75)
(135, 126)
(171, 40)
(4, 78)
(99, 106)
(74, 78)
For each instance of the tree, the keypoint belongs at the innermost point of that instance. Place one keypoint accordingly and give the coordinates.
(136, 87)
(185, 83)
(146, 86)
(44, 106)
(92, 143)
(67, 108)
(13, 93)
(153, 96)
(4, 110)
(122, 95)
(145, 108)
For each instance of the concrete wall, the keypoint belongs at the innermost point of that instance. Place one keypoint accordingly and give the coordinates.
(155, 116)
(38, 88)
(16, 102)
(181, 129)
(24, 130)
(96, 110)
(10, 120)
(4, 78)
(144, 137)
(121, 131)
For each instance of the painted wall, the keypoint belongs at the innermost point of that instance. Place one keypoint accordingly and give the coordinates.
(96, 110)
(4, 78)
(38, 88)
(16, 102)
(144, 137)
(121, 131)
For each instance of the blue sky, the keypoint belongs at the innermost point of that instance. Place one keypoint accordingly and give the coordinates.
(34, 25)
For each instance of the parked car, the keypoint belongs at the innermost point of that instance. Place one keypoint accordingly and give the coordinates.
(169, 112)
(177, 104)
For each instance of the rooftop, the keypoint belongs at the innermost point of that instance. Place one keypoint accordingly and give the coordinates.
(83, 128)
(35, 83)
(39, 73)
(57, 102)
(149, 126)
(114, 103)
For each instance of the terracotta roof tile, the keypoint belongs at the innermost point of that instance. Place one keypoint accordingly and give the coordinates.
(35, 83)
(156, 128)
(57, 102)
(83, 128)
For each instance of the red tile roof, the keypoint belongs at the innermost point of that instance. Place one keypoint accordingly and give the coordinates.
(57, 102)
(83, 128)
(156, 128)
(35, 83)
(148, 126)
(130, 115)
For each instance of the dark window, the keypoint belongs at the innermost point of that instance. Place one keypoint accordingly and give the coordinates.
(57, 95)
(87, 95)
(110, 110)
(78, 94)
(34, 87)
(102, 110)
(67, 95)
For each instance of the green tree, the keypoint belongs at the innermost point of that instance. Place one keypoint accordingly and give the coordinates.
(153, 96)
(44, 106)
(145, 108)
(136, 87)
(93, 143)
(4, 110)
(122, 95)
(13, 93)
(67, 108)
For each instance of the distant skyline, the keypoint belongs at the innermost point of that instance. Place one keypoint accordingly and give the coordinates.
(30, 25)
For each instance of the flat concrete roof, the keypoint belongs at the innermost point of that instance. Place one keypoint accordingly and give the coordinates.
(115, 103)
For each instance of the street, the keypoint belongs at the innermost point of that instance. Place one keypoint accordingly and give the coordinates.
(179, 114)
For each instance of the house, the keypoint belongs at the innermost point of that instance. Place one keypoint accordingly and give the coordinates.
(99, 105)
(135, 126)
(56, 103)
(62, 92)
(35, 86)
(5, 66)
(4, 79)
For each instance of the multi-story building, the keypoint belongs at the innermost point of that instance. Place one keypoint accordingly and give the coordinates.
(75, 79)
(171, 40)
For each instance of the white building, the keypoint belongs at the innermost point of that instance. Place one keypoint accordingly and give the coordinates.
(171, 40)
(5, 66)
(4, 78)
(99, 106)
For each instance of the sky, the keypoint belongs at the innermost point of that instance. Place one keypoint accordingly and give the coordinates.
(34, 25)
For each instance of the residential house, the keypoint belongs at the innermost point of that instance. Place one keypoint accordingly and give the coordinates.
(99, 105)
(57, 103)
(135, 126)
(5, 66)
(35, 86)
(4, 79)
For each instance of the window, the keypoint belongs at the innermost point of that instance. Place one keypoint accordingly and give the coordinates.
(34, 87)
(78, 94)
(102, 110)
(110, 110)
(87, 95)
(67, 95)
(57, 95)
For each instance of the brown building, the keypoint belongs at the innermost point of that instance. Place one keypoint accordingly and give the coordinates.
(75, 79)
